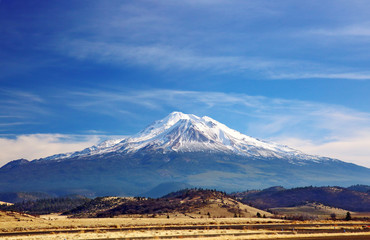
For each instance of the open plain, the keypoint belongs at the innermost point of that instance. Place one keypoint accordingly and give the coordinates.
(15, 226)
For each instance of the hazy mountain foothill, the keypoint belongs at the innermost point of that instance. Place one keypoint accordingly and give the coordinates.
(181, 150)
(360, 188)
(45, 206)
(330, 196)
(15, 197)
(188, 202)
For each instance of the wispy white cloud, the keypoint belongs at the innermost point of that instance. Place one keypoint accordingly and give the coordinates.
(362, 30)
(165, 37)
(353, 149)
(164, 57)
(168, 58)
(21, 95)
(212, 36)
(13, 124)
(323, 75)
(34, 146)
(108, 102)
(20, 108)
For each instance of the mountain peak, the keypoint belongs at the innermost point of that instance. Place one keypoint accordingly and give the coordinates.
(182, 132)
(162, 125)
(180, 115)
(174, 117)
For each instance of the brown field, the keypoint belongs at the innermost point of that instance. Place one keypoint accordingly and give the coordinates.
(21, 226)
(361, 215)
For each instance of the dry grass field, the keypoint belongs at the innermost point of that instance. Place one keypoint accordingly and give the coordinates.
(313, 210)
(21, 226)
(5, 203)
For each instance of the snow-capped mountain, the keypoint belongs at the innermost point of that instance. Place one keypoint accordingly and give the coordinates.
(179, 132)
(179, 150)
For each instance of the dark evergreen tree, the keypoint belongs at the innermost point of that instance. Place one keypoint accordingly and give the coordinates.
(348, 216)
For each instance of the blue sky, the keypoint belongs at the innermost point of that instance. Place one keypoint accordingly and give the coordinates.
(75, 72)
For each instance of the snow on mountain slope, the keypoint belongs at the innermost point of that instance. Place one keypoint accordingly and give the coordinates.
(103, 147)
(181, 132)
